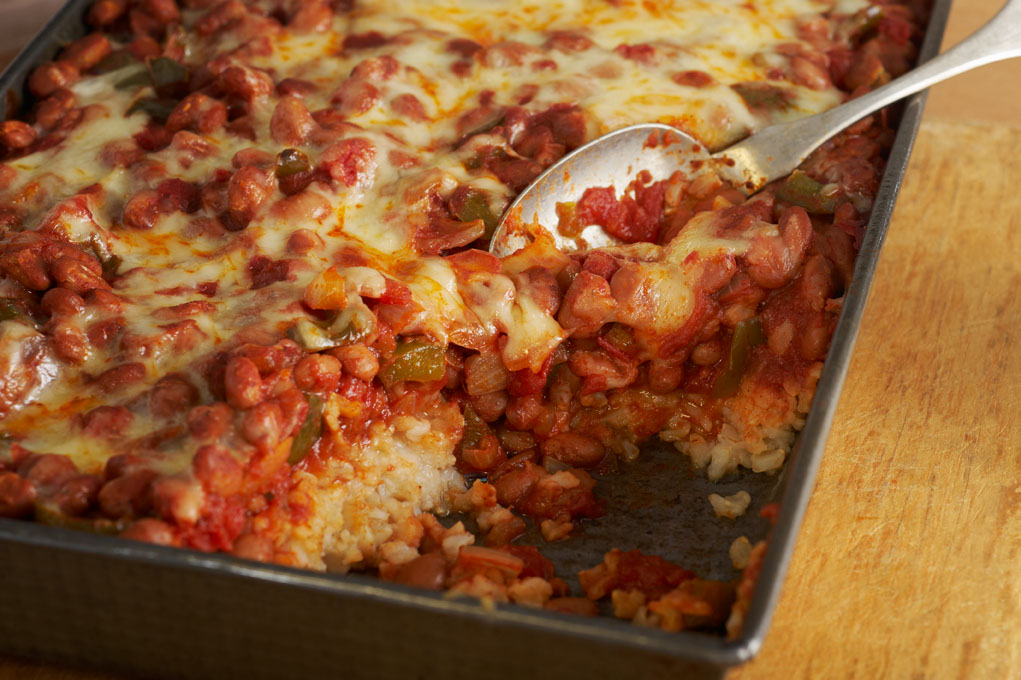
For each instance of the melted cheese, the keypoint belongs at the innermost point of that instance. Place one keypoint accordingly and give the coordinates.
(163, 267)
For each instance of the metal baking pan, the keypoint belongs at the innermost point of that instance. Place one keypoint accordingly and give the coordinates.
(101, 602)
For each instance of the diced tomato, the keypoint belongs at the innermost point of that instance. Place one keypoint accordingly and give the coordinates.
(535, 563)
(525, 382)
(221, 523)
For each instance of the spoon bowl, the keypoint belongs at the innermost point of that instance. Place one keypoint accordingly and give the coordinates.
(613, 160)
(616, 159)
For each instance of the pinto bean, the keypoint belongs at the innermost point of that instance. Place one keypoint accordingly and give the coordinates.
(293, 409)
(773, 261)
(262, 425)
(173, 394)
(52, 76)
(107, 421)
(120, 465)
(522, 412)
(807, 73)
(121, 376)
(74, 275)
(706, 353)
(425, 571)
(207, 423)
(359, 361)
(164, 11)
(865, 70)
(16, 135)
(355, 96)
(664, 376)
(149, 530)
(143, 23)
(574, 449)
(248, 190)
(121, 153)
(17, 496)
(70, 343)
(376, 69)
(128, 495)
(587, 305)
(601, 264)
(515, 441)
(409, 107)
(569, 41)
(490, 406)
(302, 241)
(105, 12)
(10, 218)
(642, 53)
(62, 302)
(268, 360)
(104, 299)
(242, 383)
(485, 373)
(144, 47)
(696, 79)
(78, 494)
(55, 251)
(813, 338)
(47, 469)
(360, 41)
(142, 210)
(296, 87)
(199, 113)
(313, 16)
(217, 469)
(253, 547)
(52, 110)
(27, 267)
(513, 485)
(509, 53)
(539, 284)
(317, 373)
(291, 123)
(779, 336)
(178, 499)
(245, 82)
(191, 146)
(214, 197)
(305, 207)
(86, 52)
(351, 161)
(221, 17)
(601, 371)
(103, 333)
(816, 285)
(252, 156)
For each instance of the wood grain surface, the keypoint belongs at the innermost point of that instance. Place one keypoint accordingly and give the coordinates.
(907, 564)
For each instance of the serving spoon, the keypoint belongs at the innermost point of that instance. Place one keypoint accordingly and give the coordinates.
(774, 152)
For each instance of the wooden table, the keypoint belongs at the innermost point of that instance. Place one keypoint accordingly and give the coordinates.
(909, 559)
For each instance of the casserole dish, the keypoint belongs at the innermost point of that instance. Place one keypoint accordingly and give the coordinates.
(390, 615)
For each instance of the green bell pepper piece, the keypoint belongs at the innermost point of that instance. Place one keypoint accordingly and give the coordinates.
(748, 334)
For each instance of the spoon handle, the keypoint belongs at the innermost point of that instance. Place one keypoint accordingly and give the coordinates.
(775, 151)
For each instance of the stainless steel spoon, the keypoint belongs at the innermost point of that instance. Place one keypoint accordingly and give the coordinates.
(774, 152)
